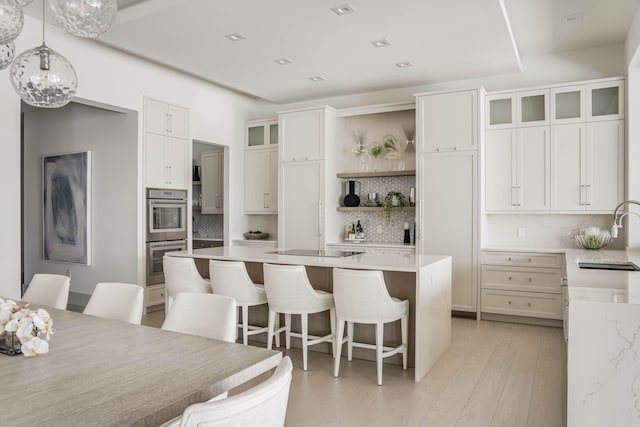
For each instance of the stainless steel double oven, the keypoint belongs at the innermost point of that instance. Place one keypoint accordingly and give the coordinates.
(166, 228)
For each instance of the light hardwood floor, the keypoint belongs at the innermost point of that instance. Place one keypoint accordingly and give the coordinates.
(494, 374)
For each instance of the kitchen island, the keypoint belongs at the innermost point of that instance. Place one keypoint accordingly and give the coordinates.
(603, 354)
(424, 280)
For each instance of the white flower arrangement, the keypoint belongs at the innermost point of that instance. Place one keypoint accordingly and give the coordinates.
(33, 328)
(360, 148)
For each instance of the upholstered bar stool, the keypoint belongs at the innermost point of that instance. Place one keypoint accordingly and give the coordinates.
(230, 278)
(181, 275)
(361, 296)
(289, 292)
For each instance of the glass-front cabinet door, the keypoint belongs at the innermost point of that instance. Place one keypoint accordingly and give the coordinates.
(605, 101)
(533, 108)
(262, 133)
(568, 105)
(501, 111)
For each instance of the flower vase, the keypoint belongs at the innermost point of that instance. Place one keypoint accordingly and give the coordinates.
(10, 344)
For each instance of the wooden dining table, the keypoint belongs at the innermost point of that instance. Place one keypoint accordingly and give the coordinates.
(110, 373)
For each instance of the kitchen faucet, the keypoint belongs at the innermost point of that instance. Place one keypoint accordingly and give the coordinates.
(617, 223)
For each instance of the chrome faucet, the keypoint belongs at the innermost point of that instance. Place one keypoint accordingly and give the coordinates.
(617, 222)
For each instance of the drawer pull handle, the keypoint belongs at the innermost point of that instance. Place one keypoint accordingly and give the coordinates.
(520, 280)
(522, 305)
(519, 259)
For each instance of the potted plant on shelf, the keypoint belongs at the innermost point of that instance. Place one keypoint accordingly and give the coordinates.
(393, 198)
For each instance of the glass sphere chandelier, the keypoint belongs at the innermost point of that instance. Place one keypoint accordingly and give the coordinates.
(84, 18)
(6, 54)
(42, 77)
(11, 20)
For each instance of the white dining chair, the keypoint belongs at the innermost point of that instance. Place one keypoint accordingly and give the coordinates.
(361, 296)
(48, 289)
(117, 301)
(206, 315)
(181, 275)
(264, 405)
(290, 292)
(231, 278)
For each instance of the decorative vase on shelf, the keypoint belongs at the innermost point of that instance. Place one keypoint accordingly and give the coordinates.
(352, 200)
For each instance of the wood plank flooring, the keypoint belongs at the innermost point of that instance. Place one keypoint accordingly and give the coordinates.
(494, 374)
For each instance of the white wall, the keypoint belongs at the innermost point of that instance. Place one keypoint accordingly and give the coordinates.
(632, 59)
(112, 139)
(115, 78)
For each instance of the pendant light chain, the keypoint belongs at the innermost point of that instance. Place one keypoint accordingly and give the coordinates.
(43, 22)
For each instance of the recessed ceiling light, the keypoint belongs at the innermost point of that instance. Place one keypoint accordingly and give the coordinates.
(381, 43)
(404, 64)
(574, 17)
(236, 37)
(344, 9)
(283, 61)
(316, 78)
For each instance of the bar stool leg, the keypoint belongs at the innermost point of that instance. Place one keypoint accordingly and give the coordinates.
(340, 334)
(287, 334)
(245, 324)
(277, 322)
(349, 341)
(332, 320)
(272, 319)
(379, 343)
(304, 322)
(404, 325)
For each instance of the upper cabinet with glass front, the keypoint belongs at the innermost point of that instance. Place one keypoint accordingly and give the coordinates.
(590, 102)
(517, 109)
(262, 134)
(605, 101)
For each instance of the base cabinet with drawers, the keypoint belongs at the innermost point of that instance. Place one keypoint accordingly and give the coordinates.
(522, 284)
(155, 295)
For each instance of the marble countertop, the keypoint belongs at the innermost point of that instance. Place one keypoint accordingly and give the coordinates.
(207, 239)
(602, 285)
(371, 244)
(387, 262)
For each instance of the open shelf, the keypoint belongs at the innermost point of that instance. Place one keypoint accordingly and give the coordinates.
(373, 209)
(376, 174)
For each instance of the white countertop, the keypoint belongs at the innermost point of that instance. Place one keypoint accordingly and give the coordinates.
(372, 244)
(386, 262)
(602, 285)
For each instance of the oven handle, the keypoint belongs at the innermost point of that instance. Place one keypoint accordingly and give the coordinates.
(167, 202)
(178, 244)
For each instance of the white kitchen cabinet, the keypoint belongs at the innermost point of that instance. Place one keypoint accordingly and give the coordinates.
(212, 181)
(261, 181)
(522, 284)
(516, 165)
(301, 207)
(449, 121)
(166, 119)
(262, 134)
(448, 218)
(605, 101)
(165, 162)
(302, 134)
(517, 109)
(568, 104)
(587, 165)
(155, 295)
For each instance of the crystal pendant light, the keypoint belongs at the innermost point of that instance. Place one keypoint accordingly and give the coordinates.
(84, 18)
(43, 77)
(11, 20)
(6, 54)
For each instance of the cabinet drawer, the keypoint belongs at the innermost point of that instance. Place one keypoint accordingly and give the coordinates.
(547, 306)
(521, 279)
(524, 259)
(155, 295)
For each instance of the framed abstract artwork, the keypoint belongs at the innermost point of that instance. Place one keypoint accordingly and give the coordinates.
(66, 208)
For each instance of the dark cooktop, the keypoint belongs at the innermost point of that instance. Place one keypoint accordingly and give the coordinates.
(316, 253)
(623, 266)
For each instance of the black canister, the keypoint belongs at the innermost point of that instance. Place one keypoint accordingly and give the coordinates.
(352, 200)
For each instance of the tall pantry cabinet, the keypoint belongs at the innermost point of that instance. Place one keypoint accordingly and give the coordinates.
(447, 183)
(306, 202)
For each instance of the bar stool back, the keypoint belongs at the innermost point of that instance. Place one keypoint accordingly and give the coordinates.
(361, 296)
(230, 278)
(289, 292)
(181, 275)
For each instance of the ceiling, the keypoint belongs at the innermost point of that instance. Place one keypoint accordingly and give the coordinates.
(444, 40)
